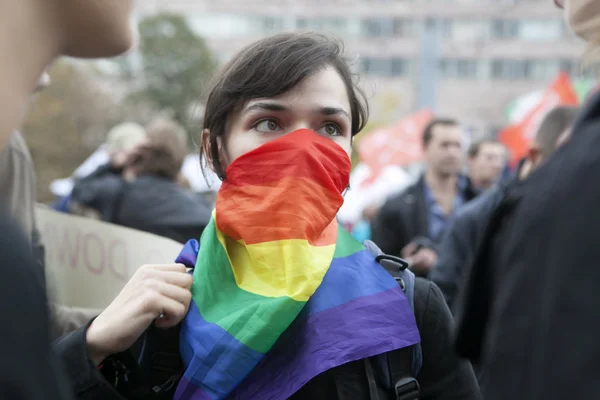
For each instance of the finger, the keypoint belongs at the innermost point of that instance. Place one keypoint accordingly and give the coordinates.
(180, 279)
(174, 292)
(164, 267)
(174, 312)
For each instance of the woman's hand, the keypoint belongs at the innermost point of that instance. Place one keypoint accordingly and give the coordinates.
(153, 291)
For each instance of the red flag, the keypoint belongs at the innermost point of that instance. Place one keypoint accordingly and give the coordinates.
(399, 144)
(519, 136)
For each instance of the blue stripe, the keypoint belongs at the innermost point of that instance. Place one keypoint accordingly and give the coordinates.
(340, 284)
(203, 344)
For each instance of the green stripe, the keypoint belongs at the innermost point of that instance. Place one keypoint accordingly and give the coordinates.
(346, 244)
(254, 320)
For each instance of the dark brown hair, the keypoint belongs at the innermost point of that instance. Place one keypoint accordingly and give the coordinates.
(428, 131)
(166, 149)
(268, 68)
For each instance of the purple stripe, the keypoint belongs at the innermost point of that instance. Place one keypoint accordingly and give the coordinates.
(358, 329)
(187, 390)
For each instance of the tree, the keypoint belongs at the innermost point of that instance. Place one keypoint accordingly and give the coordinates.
(176, 66)
(67, 121)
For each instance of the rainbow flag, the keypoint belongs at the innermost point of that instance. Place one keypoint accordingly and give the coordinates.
(281, 293)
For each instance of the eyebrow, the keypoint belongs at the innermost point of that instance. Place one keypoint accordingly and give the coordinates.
(266, 106)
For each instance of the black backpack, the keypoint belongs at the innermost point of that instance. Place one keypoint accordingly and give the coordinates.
(161, 368)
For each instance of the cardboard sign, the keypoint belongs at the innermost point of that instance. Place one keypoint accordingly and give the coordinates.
(88, 261)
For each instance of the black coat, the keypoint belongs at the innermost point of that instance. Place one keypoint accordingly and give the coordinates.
(461, 238)
(149, 203)
(531, 312)
(404, 217)
(29, 370)
(443, 376)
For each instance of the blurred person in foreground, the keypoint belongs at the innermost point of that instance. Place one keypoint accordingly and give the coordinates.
(464, 233)
(33, 34)
(122, 141)
(147, 194)
(531, 314)
(486, 161)
(18, 196)
(411, 223)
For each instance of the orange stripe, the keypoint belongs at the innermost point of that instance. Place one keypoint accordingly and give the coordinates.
(292, 208)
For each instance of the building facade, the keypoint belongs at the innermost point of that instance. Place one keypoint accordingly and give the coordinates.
(466, 59)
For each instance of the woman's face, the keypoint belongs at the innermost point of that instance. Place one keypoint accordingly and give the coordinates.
(97, 28)
(320, 104)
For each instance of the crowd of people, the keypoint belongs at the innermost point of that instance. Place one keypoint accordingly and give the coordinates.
(277, 300)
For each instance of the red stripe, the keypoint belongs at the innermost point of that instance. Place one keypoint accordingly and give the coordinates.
(301, 154)
(292, 208)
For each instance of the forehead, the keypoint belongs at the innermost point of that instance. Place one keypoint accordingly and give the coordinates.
(324, 88)
(447, 132)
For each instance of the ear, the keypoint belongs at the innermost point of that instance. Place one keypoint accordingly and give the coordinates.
(207, 150)
(534, 155)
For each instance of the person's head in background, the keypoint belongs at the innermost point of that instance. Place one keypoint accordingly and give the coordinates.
(486, 160)
(33, 33)
(276, 86)
(553, 132)
(443, 141)
(121, 140)
(163, 152)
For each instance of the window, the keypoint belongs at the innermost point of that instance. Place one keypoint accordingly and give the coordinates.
(459, 68)
(469, 30)
(376, 66)
(505, 29)
(402, 27)
(377, 27)
(400, 66)
(541, 29)
(387, 67)
(272, 24)
(571, 67)
(543, 70)
(511, 69)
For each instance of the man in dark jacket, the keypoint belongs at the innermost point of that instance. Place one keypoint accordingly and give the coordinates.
(530, 312)
(465, 231)
(412, 223)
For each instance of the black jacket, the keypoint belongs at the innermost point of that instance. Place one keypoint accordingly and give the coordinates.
(461, 239)
(443, 376)
(404, 217)
(149, 203)
(29, 370)
(531, 314)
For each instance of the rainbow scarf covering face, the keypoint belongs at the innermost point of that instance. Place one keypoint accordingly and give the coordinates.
(281, 293)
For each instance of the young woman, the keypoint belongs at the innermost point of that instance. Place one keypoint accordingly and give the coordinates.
(286, 304)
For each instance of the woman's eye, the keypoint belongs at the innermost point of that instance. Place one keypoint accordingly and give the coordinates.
(330, 130)
(267, 126)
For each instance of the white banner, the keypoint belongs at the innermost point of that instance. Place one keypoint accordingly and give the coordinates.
(88, 262)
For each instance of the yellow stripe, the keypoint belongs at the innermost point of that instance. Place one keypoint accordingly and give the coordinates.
(290, 268)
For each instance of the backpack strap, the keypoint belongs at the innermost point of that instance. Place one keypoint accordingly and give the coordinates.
(160, 363)
(401, 372)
